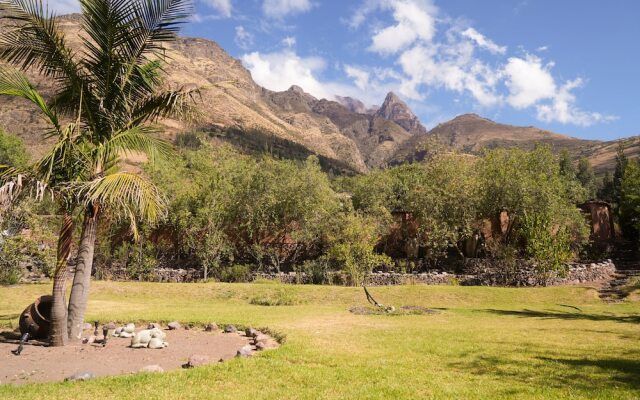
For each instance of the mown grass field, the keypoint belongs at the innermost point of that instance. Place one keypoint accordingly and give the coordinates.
(487, 343)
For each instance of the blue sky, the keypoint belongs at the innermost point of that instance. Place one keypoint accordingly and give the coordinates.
(570, 66)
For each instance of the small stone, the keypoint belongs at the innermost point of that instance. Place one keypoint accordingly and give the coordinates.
(152, 368)
(250, 332)
(196, 360)
(245, 351)
(111, 326)
(211, 327)
(81, 376)
(129, 328)
(175, 325)
(154, 325)
(230, 329)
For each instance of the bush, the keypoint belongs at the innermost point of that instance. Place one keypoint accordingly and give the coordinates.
(281, 297)
(11, 257)
(236, 274)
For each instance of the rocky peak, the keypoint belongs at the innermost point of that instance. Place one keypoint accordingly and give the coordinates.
(353, 105)
(396, 110)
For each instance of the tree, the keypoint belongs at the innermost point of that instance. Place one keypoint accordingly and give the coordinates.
(587, 177)
(530, 186)
(444, 198)
(111, 89)
(630, 201)
(12, 150)
(618, 174)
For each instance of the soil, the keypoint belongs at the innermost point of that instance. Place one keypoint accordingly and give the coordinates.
(39, 363)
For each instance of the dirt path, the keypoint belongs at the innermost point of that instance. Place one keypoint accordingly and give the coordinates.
(46, 364)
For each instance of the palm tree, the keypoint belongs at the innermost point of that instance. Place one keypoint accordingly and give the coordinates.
(112, 87)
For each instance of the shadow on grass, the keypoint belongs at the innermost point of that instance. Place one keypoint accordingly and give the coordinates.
(630, 319)
(578, 373)
(624, 371)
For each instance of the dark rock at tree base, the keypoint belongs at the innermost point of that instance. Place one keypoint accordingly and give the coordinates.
(81, 376)
(175, 325)
(152, 368)
(230, 329)
(196, 360)
(245, 351)
(212, 327)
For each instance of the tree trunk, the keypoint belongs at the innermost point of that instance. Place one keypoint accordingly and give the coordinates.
(58, 333)
(82, 278)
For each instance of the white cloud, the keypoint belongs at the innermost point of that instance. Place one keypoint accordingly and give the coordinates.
(542, 49)
(61, 7)
(278, 71)
(359, 76)
(243, 38)
(531, 83)
(528, 81)
(562, 109)
(434, 51)
(223, 7)
(414, 21)
(281, 8)
(483, 42)
(289, 41)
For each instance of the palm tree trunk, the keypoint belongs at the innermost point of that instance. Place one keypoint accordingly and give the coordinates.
(82, 277)
(58, 333)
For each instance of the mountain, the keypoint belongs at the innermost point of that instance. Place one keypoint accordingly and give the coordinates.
(396, 110)
(231, 101)
(470, 133)
(347, 135)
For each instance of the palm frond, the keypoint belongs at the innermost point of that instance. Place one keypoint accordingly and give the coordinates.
(15, 83)
(137, 139)
(125, 193)
(34, 40)
(171, 104)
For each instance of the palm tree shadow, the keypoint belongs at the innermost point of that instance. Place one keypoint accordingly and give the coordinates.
(625, 371)
(548, 314)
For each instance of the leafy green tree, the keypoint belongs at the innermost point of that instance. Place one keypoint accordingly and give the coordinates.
(12, 150)
(530, 186)
(111, 89)
(630, 201)
(587, 177)
(445, 199)
(618, 174)
(351, 246)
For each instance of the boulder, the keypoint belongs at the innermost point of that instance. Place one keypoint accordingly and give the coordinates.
(230, 329)
(175, 325)
(156, 343)
(250, 332)
(154, 325)
(111, 326)
(129, 328)
(80, 376)
(196, 360)
(245, 351)
(211, 327)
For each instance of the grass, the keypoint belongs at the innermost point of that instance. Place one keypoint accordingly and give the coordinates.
(486, 343)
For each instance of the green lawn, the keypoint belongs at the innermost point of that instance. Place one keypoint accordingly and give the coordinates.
(487, 343)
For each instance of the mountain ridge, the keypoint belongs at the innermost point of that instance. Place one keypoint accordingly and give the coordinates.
(341, 129)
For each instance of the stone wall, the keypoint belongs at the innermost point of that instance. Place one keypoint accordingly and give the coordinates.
(479, 272)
